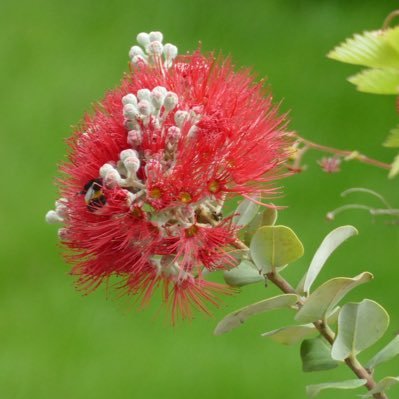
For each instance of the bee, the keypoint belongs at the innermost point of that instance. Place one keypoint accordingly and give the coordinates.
(94, 196)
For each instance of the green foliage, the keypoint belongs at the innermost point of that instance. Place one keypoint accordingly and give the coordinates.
(360, 325)
(384, 355)
(237, 318)
(320, 303)
(316, 355)
(246, 211)
(393, 138)
(394, 167)
(245, 273)
(330, 243)
(266, 216)
(382, 386)
(377, 81)
(292, 334)
(314, 390)
(274, 247)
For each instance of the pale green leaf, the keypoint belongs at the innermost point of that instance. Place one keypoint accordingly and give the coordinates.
(238, 317)
(394, 167)
(245, 273)
(275, 246)
(246, 211)
(264, 217)
(377, 81)
(292, 334)
(330, 243)
(313, 390)
(393, 138)
(316, 355)
(385, 354)
(332, 316)
(392, 37)
(382, 386)
(360, 325)
(320, 303)
(369, 49)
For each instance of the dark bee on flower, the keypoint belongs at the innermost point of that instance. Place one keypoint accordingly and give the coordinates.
(94, 196)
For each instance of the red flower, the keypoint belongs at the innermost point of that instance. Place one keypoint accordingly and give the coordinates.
(149, 171)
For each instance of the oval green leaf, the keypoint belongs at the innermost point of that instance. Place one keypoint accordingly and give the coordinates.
(385, 354)
(313, 390)
(246, 211)
(264, 217)
(292, 334)
(319, 304)
(316, 355)
(275, 246)
(238, 317)
(245, 273)
(360, 325)
(330, 243)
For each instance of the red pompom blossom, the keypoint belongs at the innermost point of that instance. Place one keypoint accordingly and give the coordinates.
(150, 169)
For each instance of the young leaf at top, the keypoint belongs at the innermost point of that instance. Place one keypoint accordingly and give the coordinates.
(316, 355)
(275, 246)
(360, 325)
(330, 243)
(292, 334)
(377, 81)
(394, 167)
(381, 386)
(385, 354)
(393, 138)
(238, 317)
(245, 273)
(246, 211)
(319, 304)
(370, 49)
(313, 390)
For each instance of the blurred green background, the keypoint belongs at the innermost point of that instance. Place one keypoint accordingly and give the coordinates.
(57, 58)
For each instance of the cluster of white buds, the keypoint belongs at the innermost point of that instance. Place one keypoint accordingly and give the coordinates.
(154, 50)
(59, 214)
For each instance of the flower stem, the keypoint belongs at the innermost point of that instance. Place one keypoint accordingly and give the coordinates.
(345, 153)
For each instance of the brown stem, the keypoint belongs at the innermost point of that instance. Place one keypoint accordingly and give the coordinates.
(345, 153)
(351, 362)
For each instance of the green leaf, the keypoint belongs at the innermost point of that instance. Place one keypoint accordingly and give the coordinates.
(377, 81)
(382, 386)
(238, 317)
(319, 304)
(313, 390)
(245, 273)
(275, 246)
(392, 37)
(370, 49)
(384, 355)
(330, 243)
(246, 211)
(360, 325)
(394, 167)
(316, 355)
(393, 138)
(292, 334)
(264, 217)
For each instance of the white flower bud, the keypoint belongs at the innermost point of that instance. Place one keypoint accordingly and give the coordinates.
(170, 101)
(154, 48)
(156, 37)
(180, 117)
(134, 138)
(129, 99)
(157, 96)
(52, 217)
(170, 51)
(127, 153)
(144, 94)
(143, 39)
(144, 107)
(136, 50)
(132, 164)
(112, 178)
(130, 111)
(173, 135)
(139, 60)
(105, 169)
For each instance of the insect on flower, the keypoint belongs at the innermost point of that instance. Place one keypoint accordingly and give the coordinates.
(149, 171)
